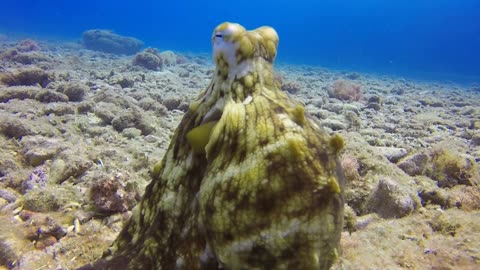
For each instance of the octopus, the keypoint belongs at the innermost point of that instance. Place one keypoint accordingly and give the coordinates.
(249, 180)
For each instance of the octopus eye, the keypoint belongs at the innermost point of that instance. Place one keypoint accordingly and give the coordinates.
(219, 35)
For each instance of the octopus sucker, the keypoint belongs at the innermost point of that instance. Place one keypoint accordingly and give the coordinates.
(249, 180)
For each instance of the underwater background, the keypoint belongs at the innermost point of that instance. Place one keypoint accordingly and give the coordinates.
(424, 39)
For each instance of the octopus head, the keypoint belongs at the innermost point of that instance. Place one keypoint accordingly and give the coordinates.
(233, 45)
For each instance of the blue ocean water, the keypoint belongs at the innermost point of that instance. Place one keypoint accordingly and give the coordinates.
(422, 39)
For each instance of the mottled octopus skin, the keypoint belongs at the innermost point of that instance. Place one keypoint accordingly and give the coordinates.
(249, 180)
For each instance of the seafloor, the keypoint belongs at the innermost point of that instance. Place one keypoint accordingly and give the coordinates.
(80, 131)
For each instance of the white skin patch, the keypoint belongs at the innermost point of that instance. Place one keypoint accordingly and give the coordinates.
(247, 100)
(227, 48)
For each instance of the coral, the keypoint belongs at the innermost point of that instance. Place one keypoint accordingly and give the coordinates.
(249, 180)
(107, 41)
(345, 90)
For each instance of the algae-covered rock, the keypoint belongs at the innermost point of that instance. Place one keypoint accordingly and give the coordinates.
(74, 90)
(390, 201)
(18, 92)
(107, 41)
(50, 198)
(149, 59)
(249, 181)
(26, 76)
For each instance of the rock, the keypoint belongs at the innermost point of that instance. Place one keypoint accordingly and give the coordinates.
(26, 76)
(27, 45)
(374, 99)
(59, 109)
(414, 164)
(13, 244)
(172, 103)
(33, 259)
(18, 92)
(393, 154)
(48, 96)
(131, 133)
(437, 104)
(149, 59)
(31, 58)
(8, 194)
(334, 124)
(475, 140)
(334, 107)
(291, 87)
(49, 199)
(353, 120)
(451, 167)
(15, 128)
(149, 104)
(390, 201)
(3, 203)
(85, 107)
(317, 102)
(347, 107)
(113, 194)
(169, 58)
(373, 105)
(444, 225)
(151, 138)
(126, 82)
(184, 74)
(132, 118)
(109, 42)
(438, 196)
(37, 156)
(105, 111)
(37, 179)
(465, 197)
(183, 106)
(75, 166)
(352, 76)
(345, 90)
(75, 91)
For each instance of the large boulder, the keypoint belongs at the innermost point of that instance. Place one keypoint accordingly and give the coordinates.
(107, 41)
